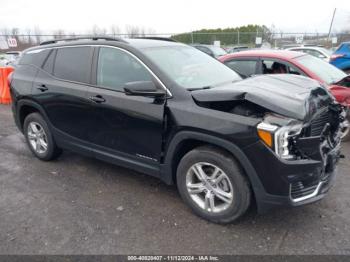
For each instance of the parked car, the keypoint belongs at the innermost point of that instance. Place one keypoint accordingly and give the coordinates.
(168, 110)
(257, 62)
(237, 49)
(9, 58)
(319, 52)
(341, 57)
(212, 50)
(3, 60)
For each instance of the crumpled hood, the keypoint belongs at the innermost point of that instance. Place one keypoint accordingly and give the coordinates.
(288, 95)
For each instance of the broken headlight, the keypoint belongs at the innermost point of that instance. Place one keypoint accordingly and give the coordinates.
(279, 138)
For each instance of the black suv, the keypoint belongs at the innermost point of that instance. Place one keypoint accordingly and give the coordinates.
(168, 110)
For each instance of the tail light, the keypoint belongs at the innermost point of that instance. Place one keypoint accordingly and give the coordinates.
(9, 78)
(335, 56)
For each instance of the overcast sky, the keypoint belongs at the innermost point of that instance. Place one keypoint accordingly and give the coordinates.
(173, 16)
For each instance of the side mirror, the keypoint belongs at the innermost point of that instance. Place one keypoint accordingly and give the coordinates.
(143, 88)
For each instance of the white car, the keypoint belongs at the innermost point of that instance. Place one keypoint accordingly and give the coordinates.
(316, 51)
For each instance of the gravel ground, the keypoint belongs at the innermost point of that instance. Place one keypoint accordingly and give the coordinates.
(78, 205)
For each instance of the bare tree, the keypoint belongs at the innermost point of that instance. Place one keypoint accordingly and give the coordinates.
(29, 35)
(59, 33)
(115, 30)
(132, 31)
(96, 30)
(37, 34)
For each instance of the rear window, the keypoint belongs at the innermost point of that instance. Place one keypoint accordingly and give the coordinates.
(34, 57)
(73, 64)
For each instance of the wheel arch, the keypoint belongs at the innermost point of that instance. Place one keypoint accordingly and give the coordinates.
(185, 141)
(26, 107)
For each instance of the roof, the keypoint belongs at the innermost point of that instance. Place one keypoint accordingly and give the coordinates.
(138, 43)
(279, 54)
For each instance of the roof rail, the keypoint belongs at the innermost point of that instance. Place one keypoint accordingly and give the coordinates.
(95, 38)
(156, 38)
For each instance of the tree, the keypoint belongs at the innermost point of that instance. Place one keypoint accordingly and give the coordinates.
(115, 30)
(37, 34)
(96, 30)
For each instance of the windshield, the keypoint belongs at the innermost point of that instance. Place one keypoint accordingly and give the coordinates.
(189, 67)
(327, 72)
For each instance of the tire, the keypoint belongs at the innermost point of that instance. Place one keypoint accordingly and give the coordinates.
(233, 182)
(346, 136)
(36, 129)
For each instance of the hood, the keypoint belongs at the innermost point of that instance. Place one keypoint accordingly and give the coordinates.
(289, 95)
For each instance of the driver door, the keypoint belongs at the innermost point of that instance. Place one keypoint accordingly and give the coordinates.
(127, 127)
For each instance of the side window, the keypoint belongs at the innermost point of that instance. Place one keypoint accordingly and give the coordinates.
(34, 57)
(277, 67)
(48, 65)
(245, 68)
(273, 67)
(293, 70)
(73, 64)
(116, 68)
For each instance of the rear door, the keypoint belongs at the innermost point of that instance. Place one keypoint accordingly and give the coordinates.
(61, 88)
(125, 126)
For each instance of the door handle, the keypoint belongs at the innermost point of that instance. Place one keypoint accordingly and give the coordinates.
(42, 87)
(97, 99)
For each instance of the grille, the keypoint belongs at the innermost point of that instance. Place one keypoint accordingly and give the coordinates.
(319, 123)
(299, 190)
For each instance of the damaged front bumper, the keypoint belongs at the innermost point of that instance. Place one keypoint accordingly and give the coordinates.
(292, 183)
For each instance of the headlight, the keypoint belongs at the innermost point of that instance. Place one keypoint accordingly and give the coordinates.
(278, 138)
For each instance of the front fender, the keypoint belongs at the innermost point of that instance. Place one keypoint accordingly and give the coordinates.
(167, 174)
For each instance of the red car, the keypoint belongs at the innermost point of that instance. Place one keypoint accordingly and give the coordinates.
(256, 62)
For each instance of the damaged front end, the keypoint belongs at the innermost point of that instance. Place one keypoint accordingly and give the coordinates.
(299, 135)
(315, 141)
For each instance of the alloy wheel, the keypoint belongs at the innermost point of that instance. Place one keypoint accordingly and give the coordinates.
(209, 187)
(37, 137)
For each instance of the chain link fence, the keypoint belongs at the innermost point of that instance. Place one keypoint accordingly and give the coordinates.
(226, 39)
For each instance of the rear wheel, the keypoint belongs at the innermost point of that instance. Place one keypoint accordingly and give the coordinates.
(39, 138)
(211, 182)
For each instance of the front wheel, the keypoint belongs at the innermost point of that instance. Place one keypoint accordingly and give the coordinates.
(211, 182)
(346, 128)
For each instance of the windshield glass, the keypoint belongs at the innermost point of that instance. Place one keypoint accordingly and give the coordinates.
(189, 67)
(327, 72)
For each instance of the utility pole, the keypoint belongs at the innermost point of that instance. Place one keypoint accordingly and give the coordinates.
(330, 27)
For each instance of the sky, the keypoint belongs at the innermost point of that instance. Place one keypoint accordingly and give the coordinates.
(173, 16)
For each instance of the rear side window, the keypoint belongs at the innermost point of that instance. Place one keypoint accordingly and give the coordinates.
(48, 65)
(34, 57)
(116, 68)
(245, 68)
(73, 64)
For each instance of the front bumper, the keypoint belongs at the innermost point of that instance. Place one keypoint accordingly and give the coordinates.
(290, 183)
